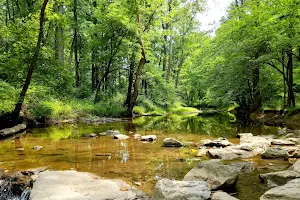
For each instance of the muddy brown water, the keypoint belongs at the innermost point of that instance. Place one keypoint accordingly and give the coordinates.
(140, 164)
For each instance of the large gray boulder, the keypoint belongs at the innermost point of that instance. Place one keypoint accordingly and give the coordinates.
(229, 153)
(166, 189)
(274, 179)
(289, 191)
(275, 153)
(216, 174)
(279, 178)
(257, 144)
(67, 185)
(220, 195)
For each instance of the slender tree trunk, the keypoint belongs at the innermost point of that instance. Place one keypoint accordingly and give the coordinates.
(170, 59)
(59, 38)
(71, 54)
(130, 79)
(77, 76)
(142, 62)
(291, 95)
(284, 81)
(32, 64)
(165, 54)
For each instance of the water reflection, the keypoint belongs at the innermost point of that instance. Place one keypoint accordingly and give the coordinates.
(66, 147)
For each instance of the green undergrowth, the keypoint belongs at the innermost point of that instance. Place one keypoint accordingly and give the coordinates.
(147, 107)
(40, 102)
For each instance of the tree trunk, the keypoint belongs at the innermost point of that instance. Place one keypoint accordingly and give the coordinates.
(59, 38)
(77, 76)
(170, 59)
(33, 62)
(290, 81)
(130, 80)
(284, 81)
(142, 62)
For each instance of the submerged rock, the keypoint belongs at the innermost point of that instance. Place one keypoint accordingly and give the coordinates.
(166, 189)
(148, 138)
(275, 153)
(66, 185)
(220, 195)
(216, 174)
(289, 191)
(170, 142)
(110, 133)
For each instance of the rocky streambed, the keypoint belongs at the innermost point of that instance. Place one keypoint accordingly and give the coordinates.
(143, 164)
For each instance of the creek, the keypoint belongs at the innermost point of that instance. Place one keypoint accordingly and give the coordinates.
(66, 147)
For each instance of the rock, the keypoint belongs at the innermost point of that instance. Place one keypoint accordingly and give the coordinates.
(37, 148)
(295, 140)
(12, 186)
(220, 195)
(201, 152)
(245, 135)
(110, 132)
(166, 189)
(137, 183)
(170, 142)
(216, 174)
(274, 179)
(220, 142)
(282, 131)
(257, 144)
(120, 137)
(275, 153)
(10, 131)
(296, 166)
(19, 149)
(66, 185)
(92, 135)
(243, 167)
(295, 154)
(282, 142)
(148, 138)
(289, 191)
(137, 136)
(33, 171)
(229, 153)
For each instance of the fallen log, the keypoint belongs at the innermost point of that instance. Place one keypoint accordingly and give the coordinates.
(13, 130)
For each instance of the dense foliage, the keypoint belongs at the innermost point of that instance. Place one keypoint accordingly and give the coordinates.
(112, 57)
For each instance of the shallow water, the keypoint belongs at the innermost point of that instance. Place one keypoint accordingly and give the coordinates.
(65, 147)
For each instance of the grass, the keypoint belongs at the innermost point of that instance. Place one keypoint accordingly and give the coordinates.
(178, 108)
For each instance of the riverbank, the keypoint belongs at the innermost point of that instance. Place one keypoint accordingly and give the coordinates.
(282, 118)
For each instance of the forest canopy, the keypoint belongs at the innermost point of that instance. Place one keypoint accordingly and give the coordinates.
(118, 57)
